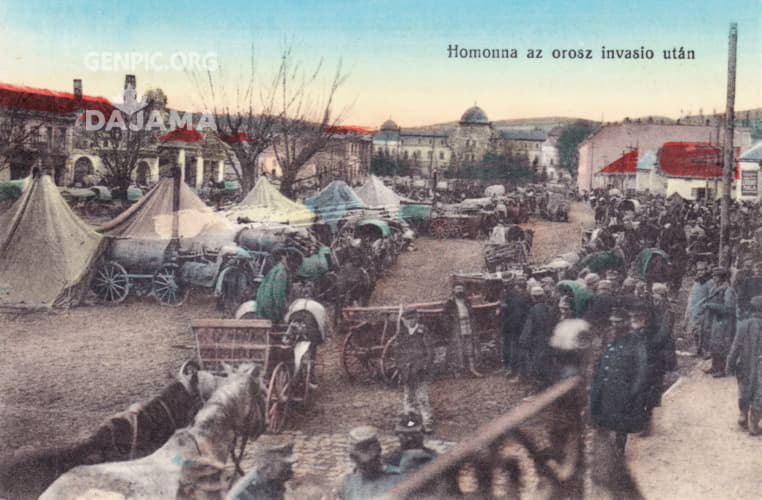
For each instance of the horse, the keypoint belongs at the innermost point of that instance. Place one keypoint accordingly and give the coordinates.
(136, 432)
(191, 463)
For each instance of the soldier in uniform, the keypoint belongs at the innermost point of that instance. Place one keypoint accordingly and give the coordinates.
(720, 307)
(267, 480)
(414, 354)
(745, 361)
(513, 315)
(371, 476)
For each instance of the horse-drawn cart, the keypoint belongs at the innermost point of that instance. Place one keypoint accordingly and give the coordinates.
(287, 371)
(367, 351)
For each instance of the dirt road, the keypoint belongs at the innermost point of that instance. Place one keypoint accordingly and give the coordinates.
(697, 449)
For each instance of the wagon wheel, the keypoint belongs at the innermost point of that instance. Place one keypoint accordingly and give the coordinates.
(389, 368)
(167, 287)
(111, 282)
(438, 228)
(301, 384)
(277, 398)
(360, 356)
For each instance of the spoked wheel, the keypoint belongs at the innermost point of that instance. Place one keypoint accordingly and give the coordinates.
(300, 384)
(111, 282)
(360, 355)
(167, 287)
(389, 367)
(277, 398)
(438, 228)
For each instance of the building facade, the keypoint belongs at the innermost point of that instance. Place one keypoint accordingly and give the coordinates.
(611, 141)
(432, 150)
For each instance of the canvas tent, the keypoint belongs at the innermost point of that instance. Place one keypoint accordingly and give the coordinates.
(151, 218)
(334, 202)
(265, 203)
(376, 195)
(46, 251)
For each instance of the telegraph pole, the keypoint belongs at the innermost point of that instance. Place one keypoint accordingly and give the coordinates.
(728, 164)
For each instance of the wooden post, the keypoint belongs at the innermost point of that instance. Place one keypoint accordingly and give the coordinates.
(728, 167)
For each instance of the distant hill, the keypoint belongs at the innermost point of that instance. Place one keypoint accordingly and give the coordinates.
(548, 122)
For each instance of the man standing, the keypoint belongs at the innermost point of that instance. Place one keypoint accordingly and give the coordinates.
(414, 354)
(619, 389)
(695, 316)
(464, 342)
(513, 314)
(535, 337)
(745, 361)
(720, 307)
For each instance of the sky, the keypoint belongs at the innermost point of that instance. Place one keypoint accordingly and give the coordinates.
(395, 54)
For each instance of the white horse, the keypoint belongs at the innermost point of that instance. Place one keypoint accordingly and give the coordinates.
(235, 409)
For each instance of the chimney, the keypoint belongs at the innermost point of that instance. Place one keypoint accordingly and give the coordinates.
(77, 88)
(130, 80)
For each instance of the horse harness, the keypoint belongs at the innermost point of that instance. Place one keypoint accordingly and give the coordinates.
(131, 417)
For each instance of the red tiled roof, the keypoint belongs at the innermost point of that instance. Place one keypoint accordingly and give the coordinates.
(185, 134)
(49, 101)
(692, 159)
(348, 129)
(233, 138)
(626, 164)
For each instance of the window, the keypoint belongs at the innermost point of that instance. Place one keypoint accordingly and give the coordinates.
(430, 154)
(441, 155)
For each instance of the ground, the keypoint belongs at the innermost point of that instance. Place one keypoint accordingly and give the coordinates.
(65, 372)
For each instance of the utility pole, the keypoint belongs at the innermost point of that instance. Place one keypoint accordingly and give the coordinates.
(728, 166)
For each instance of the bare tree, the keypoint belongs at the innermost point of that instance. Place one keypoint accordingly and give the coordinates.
(120, 147)
(305, 120)
(281, 113)
(21, 129)
(244, 115)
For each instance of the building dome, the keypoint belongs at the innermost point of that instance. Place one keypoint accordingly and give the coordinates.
(389, 125)
(474, 116)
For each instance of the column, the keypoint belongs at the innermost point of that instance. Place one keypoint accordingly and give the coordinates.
(220, 171)
(199, 171)
(181, 163)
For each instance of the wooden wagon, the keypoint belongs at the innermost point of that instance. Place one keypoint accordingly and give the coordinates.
(367, 351)
(461, 225)
(286, 375)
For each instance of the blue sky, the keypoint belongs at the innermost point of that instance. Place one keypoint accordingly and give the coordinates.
(396, 52)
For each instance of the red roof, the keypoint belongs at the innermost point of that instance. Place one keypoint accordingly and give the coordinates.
(185, 134)
(692, 159)
(233, 138)
(626, 164)
(348, 129)
(49, 101)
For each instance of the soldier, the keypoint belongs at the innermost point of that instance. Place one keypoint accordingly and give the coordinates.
(371, 476)
(464, 341)
(513, 315)
(720, 307)
(694, 319)
(267, 480)
(533, 343)
(414, 354)
(413, 454)
(745, 361)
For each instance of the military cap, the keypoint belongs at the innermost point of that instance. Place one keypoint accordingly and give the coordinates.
(362, 435)
(719, 271)
(592, 279)
(275, 451)
(612, 274)
(409, 313)
(536, 291)
(604, 285)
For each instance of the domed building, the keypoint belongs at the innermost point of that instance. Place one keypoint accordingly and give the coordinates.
(430, 150)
